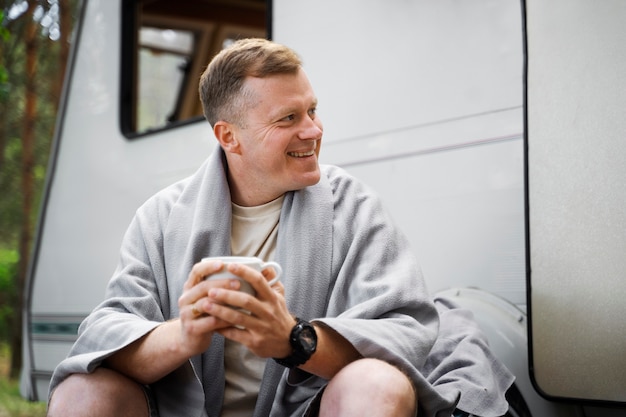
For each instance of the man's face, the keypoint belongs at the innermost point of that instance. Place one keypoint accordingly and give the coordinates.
(279, 141)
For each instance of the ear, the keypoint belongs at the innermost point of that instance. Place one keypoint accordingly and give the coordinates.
(226, 136)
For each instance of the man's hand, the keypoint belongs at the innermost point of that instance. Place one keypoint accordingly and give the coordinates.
(262, 322)
(172, 343)
(197, 325)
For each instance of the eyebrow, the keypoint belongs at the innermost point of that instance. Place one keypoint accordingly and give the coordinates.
(289, 109)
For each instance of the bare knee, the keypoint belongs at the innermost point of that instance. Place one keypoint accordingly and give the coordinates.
(101, 393)
(369, 387)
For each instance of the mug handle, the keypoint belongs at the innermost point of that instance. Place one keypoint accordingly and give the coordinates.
(277, 268)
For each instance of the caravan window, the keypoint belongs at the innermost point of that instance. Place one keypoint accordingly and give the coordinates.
(163, 64)
(166, 46)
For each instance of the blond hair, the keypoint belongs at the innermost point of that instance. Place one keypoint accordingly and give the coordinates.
(221, 85)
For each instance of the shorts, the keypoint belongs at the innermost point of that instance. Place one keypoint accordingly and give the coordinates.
(152, 409)
(312, 410)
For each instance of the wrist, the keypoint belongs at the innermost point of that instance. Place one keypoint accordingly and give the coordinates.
(303, 342)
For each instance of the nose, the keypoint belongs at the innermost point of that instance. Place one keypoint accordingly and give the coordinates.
(312, 128)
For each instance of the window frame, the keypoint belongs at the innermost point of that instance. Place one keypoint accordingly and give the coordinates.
(207, 34)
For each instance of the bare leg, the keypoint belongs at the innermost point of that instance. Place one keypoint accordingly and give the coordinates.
(369, 387)
(101, 393)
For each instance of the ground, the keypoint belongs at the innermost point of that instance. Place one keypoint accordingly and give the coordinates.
(11, 403)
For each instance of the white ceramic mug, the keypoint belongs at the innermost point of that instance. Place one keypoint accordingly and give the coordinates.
(250, 261)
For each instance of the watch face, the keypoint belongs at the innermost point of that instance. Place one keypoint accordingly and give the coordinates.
(308, 339)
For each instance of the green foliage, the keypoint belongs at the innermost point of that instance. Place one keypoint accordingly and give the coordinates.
(8, 260)
(11, 403)
(4, 32)
(8, 268)
(4, 75)
(10, 186)
(12, 105)
(15, 231)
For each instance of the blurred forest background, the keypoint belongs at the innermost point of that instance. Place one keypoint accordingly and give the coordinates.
(35, 37)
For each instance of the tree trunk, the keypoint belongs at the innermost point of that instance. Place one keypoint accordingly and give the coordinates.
(28, 162)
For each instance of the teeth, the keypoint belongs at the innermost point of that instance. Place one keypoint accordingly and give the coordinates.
(301, 154)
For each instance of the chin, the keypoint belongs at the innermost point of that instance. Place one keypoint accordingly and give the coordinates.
(307, 181)
(315, 177)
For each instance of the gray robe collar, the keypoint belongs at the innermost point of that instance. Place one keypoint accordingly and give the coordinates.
(304, 249)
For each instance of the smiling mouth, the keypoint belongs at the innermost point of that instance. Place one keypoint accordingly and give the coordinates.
(301, 154)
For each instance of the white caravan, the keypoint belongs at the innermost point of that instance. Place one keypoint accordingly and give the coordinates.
(423, 100)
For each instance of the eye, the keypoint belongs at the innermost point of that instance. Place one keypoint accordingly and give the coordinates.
(313, 112)
(289, 118)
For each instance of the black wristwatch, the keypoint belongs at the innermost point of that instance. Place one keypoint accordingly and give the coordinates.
(303, 340)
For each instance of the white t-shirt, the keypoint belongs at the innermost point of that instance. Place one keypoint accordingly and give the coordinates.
(254, 233)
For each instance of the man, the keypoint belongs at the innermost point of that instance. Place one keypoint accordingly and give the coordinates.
(349, 326)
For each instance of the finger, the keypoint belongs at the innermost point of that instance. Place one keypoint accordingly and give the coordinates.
(258, 280)
(196, 320)
(279, 288)
(224, 306)
(195, 294)
(231, 299)
(197, 328)
(194, 310)
(269, 273)
(237, 334)
(272, 285)
(200, 271)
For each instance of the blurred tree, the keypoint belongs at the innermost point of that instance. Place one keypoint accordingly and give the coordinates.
(34, 51)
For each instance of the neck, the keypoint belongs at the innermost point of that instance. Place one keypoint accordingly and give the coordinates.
(248, 195)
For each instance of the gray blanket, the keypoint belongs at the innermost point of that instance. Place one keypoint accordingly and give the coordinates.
(344, 264)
